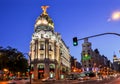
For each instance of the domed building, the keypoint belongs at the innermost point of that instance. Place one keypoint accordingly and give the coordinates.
(50, 57)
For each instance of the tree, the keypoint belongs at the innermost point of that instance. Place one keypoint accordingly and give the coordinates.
(13, 60)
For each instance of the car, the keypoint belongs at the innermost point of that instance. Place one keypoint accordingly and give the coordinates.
(84, 78)
(26, 80)
(11, 82)
(15, 81)
(44, 79)
(48, 79)
(19, 81)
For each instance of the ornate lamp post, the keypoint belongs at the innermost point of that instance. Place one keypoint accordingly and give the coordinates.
(28, 54)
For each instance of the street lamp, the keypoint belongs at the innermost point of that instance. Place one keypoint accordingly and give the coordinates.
(28, 54)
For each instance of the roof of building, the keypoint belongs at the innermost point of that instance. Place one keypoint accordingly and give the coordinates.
(44, 20)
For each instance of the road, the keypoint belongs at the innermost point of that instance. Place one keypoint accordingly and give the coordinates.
(116, 81)
(105, 81)
(3, 82)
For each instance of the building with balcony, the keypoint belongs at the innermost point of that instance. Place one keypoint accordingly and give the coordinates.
(87, 56)
(50, 57)
(92, 60)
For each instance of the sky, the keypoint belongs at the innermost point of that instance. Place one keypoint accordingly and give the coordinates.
(72, 18)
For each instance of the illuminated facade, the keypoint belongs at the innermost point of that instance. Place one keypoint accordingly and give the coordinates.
(50, 56)
(91, 59)
(86, 55)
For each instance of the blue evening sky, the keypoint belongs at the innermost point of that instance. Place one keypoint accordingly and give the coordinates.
(72, 18)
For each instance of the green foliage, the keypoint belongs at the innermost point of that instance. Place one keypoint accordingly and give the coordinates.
(13, 60)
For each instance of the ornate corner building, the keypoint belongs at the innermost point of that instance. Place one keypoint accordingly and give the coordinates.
(50, 57)
(86, 55)
(92, 60)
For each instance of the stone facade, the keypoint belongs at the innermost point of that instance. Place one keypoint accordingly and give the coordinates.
(50, 56)
(91, 59)
(86, 55)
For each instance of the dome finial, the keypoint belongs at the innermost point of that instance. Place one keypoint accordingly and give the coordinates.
(44, 8)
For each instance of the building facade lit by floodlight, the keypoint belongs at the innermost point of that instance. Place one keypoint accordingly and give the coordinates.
(50, 57)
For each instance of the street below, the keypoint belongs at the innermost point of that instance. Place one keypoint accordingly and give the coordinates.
(104, 81)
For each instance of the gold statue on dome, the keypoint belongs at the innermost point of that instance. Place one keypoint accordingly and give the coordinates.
(44, 8)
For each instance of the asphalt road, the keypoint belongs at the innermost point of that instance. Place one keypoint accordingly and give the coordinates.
(105, 81)
(116, 81)
(3, 82)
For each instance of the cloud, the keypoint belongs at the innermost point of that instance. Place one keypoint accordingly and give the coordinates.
(115, 16)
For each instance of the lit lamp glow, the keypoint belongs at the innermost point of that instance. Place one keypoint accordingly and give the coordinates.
(5, 70)
(116, 16)
(74, 70)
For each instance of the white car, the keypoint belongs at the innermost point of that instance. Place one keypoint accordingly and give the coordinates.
(84, 78)
(48, 79)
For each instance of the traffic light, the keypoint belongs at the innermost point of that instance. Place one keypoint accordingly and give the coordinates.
(75, 41)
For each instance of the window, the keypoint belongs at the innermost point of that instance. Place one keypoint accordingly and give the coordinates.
(50, 36)
(83, 54)
(51, 66)
(84, 46)
(41, 46)
(88, 51)
(89, 65)
(41, 35)
(83, 51)
(87, 45)
(50, 48)
(41, 66)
